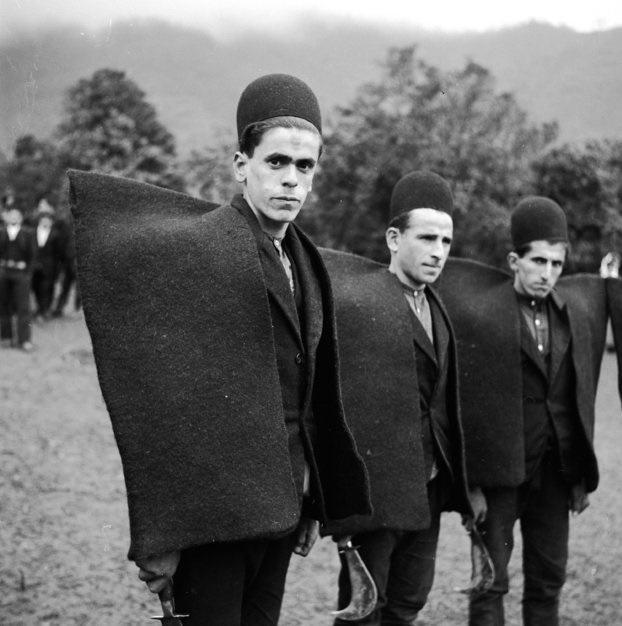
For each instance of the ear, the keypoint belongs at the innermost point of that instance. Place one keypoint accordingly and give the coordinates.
(392, 237)
(240, 163)
(512, 260)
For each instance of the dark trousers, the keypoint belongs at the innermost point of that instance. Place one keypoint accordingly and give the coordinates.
(402, 565)
(233, 584)
(15, 300)
(43, 282)
(541, 505)
(69, 279)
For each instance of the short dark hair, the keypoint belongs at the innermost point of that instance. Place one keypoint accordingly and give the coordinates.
(252, 134)
(401, 221)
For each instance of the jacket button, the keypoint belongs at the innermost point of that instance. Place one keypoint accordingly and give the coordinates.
(298, 359)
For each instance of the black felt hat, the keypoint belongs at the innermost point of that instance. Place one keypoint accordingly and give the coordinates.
(536, 218)
(276, 95)
(421, 190)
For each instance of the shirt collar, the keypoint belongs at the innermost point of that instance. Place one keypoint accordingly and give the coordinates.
(553, 297)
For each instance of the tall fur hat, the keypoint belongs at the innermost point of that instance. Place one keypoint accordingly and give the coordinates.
(537, 218)
(276, 95)
(421, 190)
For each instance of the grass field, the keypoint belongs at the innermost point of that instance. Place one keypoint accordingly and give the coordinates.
(63, 518)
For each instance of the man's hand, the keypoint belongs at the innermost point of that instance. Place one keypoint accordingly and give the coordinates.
(157, 570)
(579, 500)
(307, 532)
(478, 504)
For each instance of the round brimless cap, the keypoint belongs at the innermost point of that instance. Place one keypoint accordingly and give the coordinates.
(276, 95)
(421, 190)
(536, 218)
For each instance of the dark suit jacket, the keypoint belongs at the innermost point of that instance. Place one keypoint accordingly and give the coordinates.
(482, 306)
(48, 257)
(379, 346)
(179, 316)
(26, 244)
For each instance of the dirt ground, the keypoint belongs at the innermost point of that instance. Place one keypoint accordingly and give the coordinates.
(63, 518)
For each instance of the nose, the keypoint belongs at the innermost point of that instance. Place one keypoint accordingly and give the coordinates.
(289, 176)
(438, 250)
(546, 271)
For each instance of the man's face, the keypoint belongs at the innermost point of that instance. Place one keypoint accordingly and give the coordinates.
(278, 177)
(13, 217)
(419, 253)
(537, 271)
(45, 221)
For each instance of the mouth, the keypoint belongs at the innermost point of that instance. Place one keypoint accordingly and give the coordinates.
(286, 199)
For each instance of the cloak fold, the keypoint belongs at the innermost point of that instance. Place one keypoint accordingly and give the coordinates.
(188, 370)
(381, 394)
(479, 299)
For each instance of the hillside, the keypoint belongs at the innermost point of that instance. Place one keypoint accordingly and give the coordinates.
(194, 80)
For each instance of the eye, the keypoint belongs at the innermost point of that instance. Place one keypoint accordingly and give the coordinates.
(305, 166)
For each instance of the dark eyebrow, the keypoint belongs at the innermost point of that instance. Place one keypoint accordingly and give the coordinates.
(278, 155)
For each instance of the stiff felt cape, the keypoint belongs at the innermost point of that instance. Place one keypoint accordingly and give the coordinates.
(381, 395)
(480, 300)
(179, 318)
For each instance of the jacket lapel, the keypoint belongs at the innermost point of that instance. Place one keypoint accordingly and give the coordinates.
(421, 338)
(560, 338)
(312, 321)
(440, 326)
(277, 284)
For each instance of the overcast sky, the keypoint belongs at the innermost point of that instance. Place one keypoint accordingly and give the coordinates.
(222, 17)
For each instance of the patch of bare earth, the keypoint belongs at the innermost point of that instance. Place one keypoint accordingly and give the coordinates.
(63, 517)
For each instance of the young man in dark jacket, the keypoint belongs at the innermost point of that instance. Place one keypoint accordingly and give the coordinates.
(17, 256)
(530, 350)
(400, 382)
(232, 430)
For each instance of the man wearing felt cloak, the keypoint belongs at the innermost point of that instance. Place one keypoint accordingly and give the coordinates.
(400, 383)
(214, 337)
(530, 348)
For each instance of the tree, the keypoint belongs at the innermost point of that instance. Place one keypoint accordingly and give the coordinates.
(33, 173)
(209, 172)
(111, 128)
(417, 117)
(585, 182)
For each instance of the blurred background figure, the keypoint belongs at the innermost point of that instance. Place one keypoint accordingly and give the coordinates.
(47, 261)
(68, 277)
(610, 268)
(17, 253)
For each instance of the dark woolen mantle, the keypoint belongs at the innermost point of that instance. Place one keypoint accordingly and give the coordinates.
(187, 367)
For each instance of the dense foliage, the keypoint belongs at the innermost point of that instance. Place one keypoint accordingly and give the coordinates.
(110, 127)
(414, 116)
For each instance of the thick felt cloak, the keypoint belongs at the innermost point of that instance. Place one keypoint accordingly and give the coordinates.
(381, 395)
(480, 301)
(178, 314)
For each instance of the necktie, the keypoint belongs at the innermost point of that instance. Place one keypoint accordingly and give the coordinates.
(285, 262)
(422, 310)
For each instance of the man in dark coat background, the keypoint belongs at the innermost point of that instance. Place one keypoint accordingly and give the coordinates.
(220, 371)
(400, 385)
(47, 260)
(530, 357)
(17, 255)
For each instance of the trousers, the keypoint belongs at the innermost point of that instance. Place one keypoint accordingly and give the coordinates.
(402, 564)
(15, 301)
(233, 584)
(541, 505)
